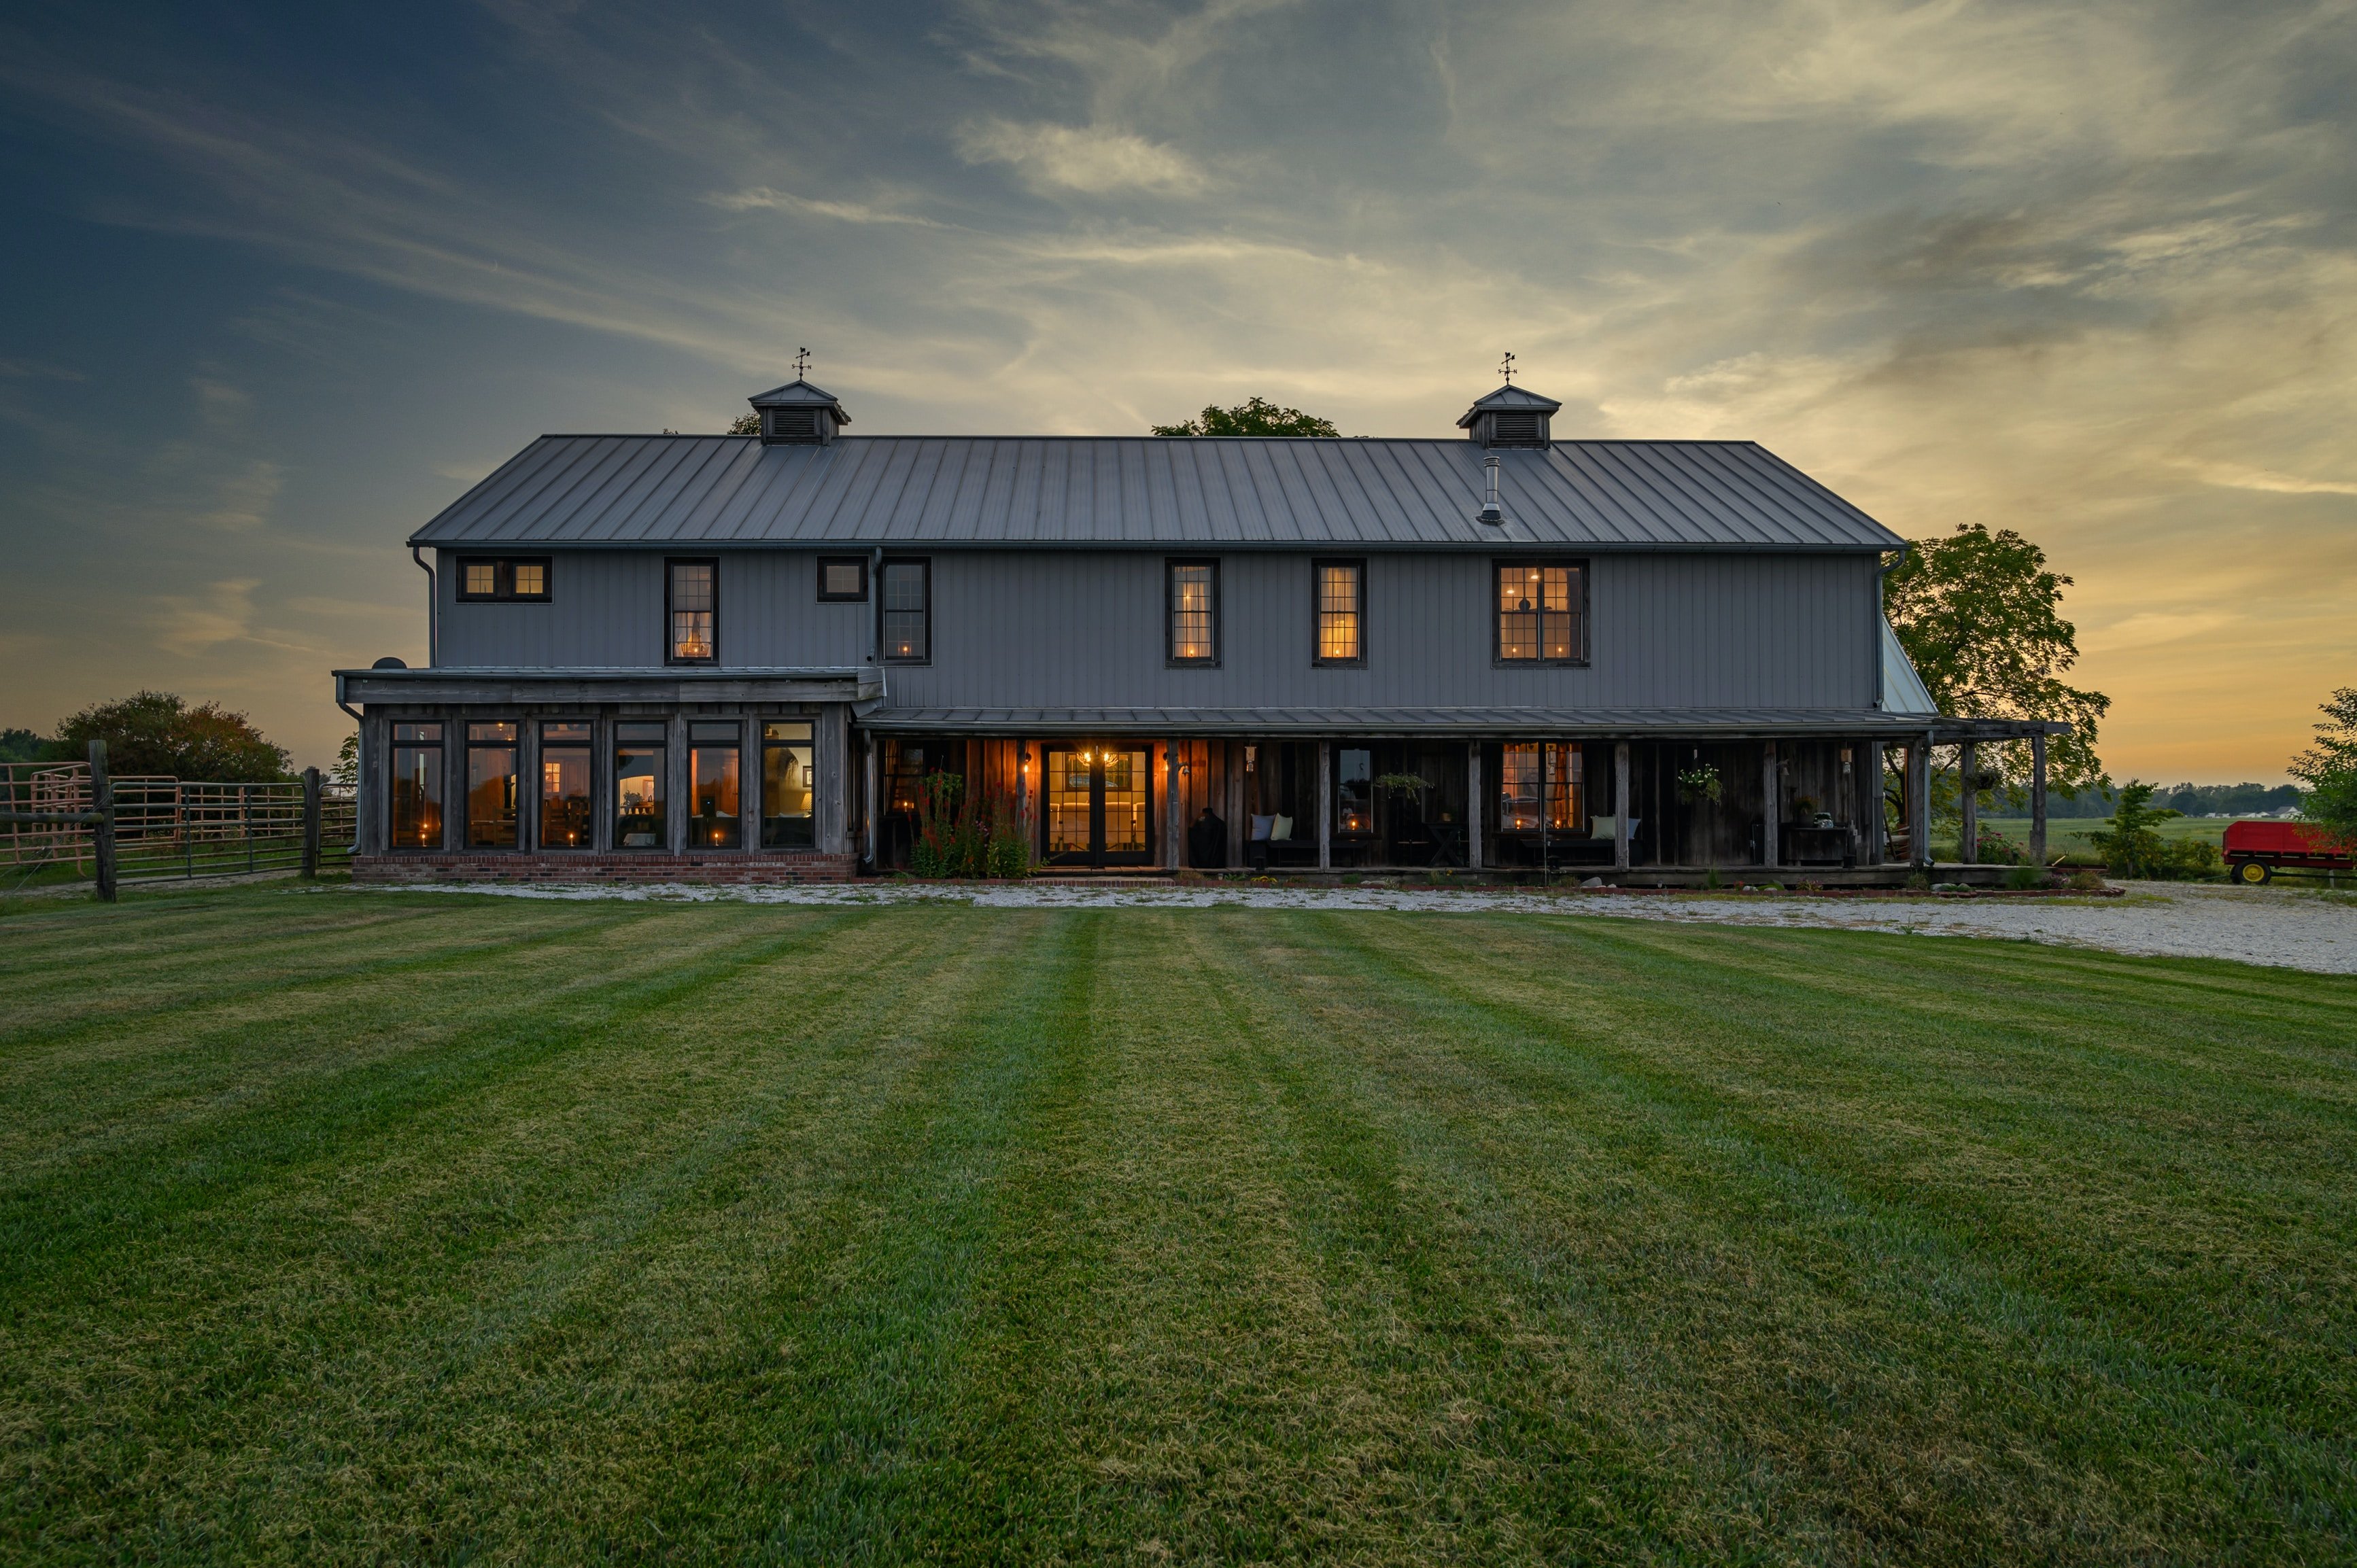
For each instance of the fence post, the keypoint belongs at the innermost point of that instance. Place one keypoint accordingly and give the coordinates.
(311, 822)
(245, 820)
(101, 831)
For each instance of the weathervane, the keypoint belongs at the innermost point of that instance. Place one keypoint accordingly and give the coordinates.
(1506, 368)
(801, 363)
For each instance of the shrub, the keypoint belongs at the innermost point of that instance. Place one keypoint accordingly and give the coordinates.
(1996, 849)
(2086, 882)
(2023, 878)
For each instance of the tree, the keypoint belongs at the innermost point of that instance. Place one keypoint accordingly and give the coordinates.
(2328, 769)
(1978, 613)
(24, 745)
(2132, 847)
(1254, 417)
(746, 424)
(156, 733)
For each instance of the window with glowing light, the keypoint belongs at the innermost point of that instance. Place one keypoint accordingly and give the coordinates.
(1194, 597)
(907, 594)
(1533, 771)
(526, 579)
(491, 785)
(1341, 611)
(1541, 612)
(787, 784)
(714, 785)
(415, 797)
(565, 784)
(692, 607)
(1354, 792)
(640, 767)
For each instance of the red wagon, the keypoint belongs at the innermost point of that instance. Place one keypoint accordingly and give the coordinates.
(2256, 851)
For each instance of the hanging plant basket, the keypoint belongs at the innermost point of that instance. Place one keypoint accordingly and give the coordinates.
(1700, 784)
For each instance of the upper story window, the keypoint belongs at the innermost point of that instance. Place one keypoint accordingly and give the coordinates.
(907, 595)
(482, 577)
(1541, 612)
(693, 609)
(1341, 611)
(1194, 597)
(842, 579)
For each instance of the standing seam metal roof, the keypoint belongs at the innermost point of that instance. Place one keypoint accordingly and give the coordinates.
(1141, 490)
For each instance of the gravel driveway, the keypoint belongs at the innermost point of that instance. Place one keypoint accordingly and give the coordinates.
(2278, 926)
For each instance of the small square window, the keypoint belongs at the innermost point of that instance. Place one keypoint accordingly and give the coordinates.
(842, 579)
(481, 578)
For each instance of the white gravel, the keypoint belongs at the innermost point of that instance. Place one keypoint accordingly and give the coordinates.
(2282, 927)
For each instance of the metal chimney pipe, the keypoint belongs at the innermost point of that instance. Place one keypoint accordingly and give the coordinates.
(1491, 511)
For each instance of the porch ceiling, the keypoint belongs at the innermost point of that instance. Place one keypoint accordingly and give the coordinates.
(1684, 724)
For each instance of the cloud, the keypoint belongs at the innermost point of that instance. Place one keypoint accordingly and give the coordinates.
(34, 369)
(2234, 477)
(1086, 158)
(190, 625)
(760, 198)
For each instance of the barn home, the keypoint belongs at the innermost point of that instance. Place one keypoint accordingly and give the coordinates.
(742, 657)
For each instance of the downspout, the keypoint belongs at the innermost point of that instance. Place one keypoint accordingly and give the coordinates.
(433, 610)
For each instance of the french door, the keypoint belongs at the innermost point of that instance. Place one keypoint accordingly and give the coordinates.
(1100, 806)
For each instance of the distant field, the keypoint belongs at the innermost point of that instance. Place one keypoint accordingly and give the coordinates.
(350, 1227)
(2069, 835)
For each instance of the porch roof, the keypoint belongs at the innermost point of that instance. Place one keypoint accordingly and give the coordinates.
(1609, 723)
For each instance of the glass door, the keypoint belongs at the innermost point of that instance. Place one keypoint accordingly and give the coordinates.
(1100, 806)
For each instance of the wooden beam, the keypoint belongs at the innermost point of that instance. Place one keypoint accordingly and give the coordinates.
(1772, 795)
(1473, 805)
(1170, 803)
(1620, 804)
(1968, 836)
(1325, 805)
(1919, 801)
(2038, 800)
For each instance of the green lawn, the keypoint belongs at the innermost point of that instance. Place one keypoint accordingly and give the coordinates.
(370, 1227)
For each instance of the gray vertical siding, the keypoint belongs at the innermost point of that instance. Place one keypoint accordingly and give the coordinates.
(1085, 628)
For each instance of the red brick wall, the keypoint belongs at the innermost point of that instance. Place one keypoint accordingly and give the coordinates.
(706, 868)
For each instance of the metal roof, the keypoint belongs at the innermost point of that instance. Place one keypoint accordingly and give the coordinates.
(1903, 691)
(1145, 491)
(1508, 397)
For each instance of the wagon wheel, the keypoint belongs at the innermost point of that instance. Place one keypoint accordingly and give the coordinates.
(2253, 872)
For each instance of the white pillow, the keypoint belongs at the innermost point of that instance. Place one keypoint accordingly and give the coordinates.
(1283, 829)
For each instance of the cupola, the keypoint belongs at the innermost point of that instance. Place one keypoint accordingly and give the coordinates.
(799, 414)
(1509, 418)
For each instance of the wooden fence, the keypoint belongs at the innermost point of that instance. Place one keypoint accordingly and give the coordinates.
(54, 824)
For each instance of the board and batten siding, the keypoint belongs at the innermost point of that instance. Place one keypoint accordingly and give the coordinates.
(1030, 629)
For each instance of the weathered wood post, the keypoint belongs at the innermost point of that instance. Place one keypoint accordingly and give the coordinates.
(1919, 801)
(1771, 796)
(1620, 804)
(2038, 799)
(1170, 803)
(1325, 805)
(310, 823)
(1473, 805)
(1869, 789)
(1968, 835)
(102, 830)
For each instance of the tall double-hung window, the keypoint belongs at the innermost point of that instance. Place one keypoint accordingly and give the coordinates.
(1342, 608)
(1541, 612)
(908, 610)
(692, 606)
(1194, 601)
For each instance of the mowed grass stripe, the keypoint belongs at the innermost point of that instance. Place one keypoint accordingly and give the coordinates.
(944, 1234)
(478, 1256)
(1761, 1181)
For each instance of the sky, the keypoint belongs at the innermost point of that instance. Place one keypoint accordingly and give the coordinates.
(282, 283)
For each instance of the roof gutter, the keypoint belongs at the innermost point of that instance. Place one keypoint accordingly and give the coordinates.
(433, 609)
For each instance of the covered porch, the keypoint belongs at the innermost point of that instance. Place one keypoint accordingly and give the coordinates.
(1633, 798)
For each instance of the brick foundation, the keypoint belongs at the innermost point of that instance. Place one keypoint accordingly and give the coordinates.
(791, 867)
